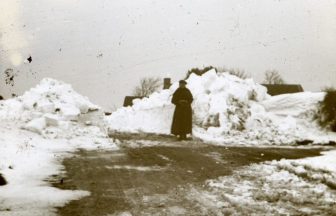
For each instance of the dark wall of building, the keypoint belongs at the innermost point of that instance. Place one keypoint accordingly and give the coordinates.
(128, 101)
(166, 83)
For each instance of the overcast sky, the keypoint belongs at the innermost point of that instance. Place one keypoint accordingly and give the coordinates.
(103, 48)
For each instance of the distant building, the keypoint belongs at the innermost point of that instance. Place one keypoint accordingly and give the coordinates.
(128, 101)
(278, 89)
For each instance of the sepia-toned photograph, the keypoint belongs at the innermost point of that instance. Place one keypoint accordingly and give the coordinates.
(167, 107)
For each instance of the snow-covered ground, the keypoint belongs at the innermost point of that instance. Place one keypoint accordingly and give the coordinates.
(286, 187)
(229, 110)
(48, 122)
(37, 131)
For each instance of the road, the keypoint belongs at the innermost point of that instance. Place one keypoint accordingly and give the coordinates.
(156, 178)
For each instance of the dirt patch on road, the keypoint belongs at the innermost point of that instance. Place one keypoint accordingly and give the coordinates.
(153, 178)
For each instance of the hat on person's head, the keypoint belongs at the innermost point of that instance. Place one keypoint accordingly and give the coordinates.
(182, 82)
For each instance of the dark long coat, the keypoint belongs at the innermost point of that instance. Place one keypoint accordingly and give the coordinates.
(182, 120)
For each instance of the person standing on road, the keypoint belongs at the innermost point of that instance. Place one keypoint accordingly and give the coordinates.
(182, 120)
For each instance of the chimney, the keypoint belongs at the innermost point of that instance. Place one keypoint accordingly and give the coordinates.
(166, 83)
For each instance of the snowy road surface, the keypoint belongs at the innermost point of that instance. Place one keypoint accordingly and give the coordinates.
(184, 179)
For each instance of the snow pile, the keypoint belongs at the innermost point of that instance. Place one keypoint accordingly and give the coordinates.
(220, 101)
(286, 187)
(229, 110)
(39, 129)
(51, 104)
(294, 117)
(149, 115)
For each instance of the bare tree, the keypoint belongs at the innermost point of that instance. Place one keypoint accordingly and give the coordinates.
(234, 71)
(239, 73)
(273, 77)
(147, 86)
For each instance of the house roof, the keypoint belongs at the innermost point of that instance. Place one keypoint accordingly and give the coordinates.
(277, 89)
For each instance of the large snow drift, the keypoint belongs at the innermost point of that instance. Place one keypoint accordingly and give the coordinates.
(51, 103)
(37, 130)
(229, 110)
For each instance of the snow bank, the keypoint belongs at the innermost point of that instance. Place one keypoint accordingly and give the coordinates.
(217, 102)
(229, 110)
(49, 96)
(39, 129)
(295, 117)
(51, 103)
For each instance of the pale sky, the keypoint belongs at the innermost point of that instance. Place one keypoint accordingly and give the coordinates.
(139, 38)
